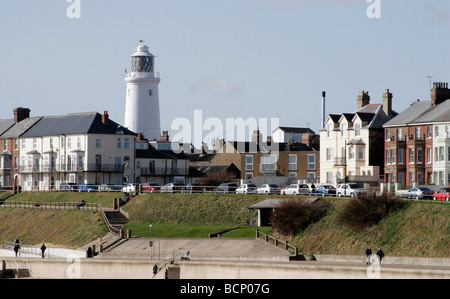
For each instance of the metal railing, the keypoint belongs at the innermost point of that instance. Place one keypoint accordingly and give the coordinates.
(268, 238)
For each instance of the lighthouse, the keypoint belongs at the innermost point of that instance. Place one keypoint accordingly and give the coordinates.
(142, 97)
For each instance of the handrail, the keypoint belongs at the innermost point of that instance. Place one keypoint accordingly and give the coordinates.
(286, 244)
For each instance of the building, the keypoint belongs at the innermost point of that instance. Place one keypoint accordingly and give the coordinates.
(351, 146)
(142, 96)
(269, 159)
(9, 145)
(417, 142)
(83, 148)
(159, 165)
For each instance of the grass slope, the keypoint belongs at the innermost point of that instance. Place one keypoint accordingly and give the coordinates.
(420, 229)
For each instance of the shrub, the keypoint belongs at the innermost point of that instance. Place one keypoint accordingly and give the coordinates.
(294, 215)
(363, 212)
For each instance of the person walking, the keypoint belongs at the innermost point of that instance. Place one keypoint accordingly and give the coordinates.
(368, 254)
(380, 254)
(43, 249)
(16, 248)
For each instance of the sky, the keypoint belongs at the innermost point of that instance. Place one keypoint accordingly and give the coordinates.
(229, 59)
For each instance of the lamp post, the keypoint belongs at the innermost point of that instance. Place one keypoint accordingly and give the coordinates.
(150, 230)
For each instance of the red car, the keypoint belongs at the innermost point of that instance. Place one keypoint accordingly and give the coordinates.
(150, 187)
(442, 194)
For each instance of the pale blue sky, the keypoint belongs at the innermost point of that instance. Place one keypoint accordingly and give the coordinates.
(233, 58)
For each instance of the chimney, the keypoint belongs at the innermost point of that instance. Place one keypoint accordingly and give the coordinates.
(387, 102)
(165, 136)
(323, 109)
(439, 93)
(257, 136)
(363, 99)
(105, 117)
(20, 114)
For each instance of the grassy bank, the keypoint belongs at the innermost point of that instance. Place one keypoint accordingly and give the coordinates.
(420, 229)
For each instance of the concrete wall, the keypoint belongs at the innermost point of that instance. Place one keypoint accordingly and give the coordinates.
(143, 269)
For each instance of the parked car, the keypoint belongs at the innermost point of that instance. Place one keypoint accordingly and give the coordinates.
(109, 187)
(66, 186)
(246, 188)
(87, 188)
(442, 194)
(350, 189)
(130, 187)
(150, 187)
(226, 188)
(268, 189)
(295, 189)
(192, 188)
(325, 190)
(419, 193)
(172, 187)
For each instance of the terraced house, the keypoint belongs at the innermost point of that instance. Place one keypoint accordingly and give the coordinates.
(83, 148)
(417, 146)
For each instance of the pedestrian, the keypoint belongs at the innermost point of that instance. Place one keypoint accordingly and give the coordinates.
(380, 254)
(16, 248)
(368, 254)
(43, 249)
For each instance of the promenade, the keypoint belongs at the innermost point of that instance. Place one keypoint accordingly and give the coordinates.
(223, 259)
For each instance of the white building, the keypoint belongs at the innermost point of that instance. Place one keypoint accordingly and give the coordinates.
(82, 148)
(351, 144)
(142, 96)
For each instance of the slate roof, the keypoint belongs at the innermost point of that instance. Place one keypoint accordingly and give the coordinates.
(5, 124)
(75, 123)
(422, 112)
(296, 130)
(19, 128)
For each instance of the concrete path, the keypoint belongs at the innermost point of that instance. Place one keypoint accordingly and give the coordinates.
(241, 249)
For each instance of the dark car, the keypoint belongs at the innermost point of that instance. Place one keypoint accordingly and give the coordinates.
(194, 187)
(419, 193)
(87, 188)
(226, 188)
(325, 190)
(66, 186)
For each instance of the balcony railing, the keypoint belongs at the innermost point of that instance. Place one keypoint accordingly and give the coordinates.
(90, 167)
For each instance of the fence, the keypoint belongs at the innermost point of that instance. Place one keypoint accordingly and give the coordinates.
(292, 249)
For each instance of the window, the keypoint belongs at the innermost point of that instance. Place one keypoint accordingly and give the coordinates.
(343, 130)
(293, 163)
(292, 174)
(448, 153)
(429, 133)
(411, 155)
(79, 142)
(98, 142)
(429, 155)
(69, 142)
(268, 162)
(436, 131)
(330, 154)
(447, 131)
(441, 154)
(311, 162)
(399, 134)
(357, 129)
(388, 156)
(436, 154)
(16, 144)
(329, 177)
(361, 154)
(126, 142)
(249, 163)
(351, 153)
(329, 130)
(418, 133)
(419, 155)
(388, 134)
(119, 142)
(393, 156)
(34, 143)
(248, 175)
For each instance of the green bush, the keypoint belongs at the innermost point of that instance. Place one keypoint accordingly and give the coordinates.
(363, 212)
(294, 215)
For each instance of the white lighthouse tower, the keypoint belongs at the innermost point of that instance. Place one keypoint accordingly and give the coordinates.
(142, 99)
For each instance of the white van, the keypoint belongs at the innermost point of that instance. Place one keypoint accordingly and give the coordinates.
(350, 189)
